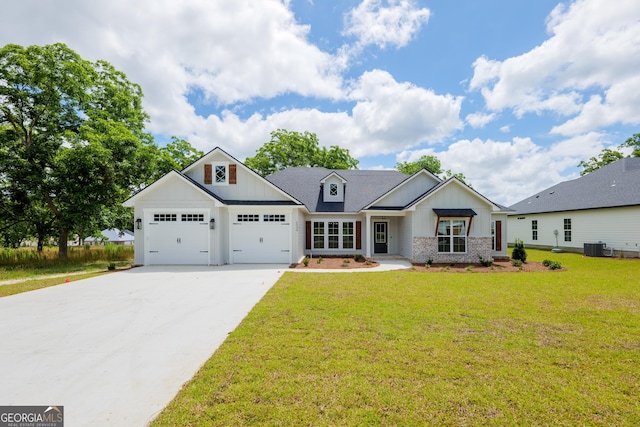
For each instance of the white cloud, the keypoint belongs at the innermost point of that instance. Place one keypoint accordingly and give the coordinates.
(479, 120)
(593, 48)
(401, 113)
(505, 129)
(372, 23)
(509, 171)
(387, 116)
(234, 53)
(230, 51)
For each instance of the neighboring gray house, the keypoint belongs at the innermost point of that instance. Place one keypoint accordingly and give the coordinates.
(601, 206)
(218, 211)
(115, 236)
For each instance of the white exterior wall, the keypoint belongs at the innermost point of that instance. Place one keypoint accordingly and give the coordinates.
(408, 191)
(405, 235)
(173, 195)
(454, 197)
(618, 228)
(249, 186)
(300, 235)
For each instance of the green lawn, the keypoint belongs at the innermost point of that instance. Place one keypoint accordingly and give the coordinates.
(408, 348)
(33, 270)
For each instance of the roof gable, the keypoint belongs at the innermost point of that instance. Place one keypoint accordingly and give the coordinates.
(614, 185)
(173, 177)
(248, 187)
(407, 191)
(453, 181)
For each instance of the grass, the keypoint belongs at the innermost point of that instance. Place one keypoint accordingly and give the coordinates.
(33, 284)
(25, 263)
(405, 348)
(32, 270)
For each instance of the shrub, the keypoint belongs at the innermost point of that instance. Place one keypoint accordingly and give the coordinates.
(429, 262)
(358, 258)
(516, 263)
(305, 261)
(485, 262)
(518, 252)
(111, 266)
(546, 262)
(553, 265)
(319, 260)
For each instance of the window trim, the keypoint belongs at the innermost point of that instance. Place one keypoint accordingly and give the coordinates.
(333, 231)
(452, 237)
(567, 229)
(217, 165)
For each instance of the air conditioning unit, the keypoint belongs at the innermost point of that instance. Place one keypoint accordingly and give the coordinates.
(594, 249)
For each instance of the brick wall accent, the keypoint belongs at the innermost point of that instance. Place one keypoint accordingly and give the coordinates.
(425, 248)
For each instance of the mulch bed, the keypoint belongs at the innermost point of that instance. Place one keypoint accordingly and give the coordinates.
(345, 263)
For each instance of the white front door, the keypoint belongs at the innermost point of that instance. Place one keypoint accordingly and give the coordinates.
(176, 238)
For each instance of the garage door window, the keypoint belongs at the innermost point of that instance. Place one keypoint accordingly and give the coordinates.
(165, 217)
(274, 218)
(248, 218)
(193, 217)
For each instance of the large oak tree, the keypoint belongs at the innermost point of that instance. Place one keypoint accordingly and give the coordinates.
(72, 138)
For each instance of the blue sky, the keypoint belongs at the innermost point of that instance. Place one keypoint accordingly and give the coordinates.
(513, 94)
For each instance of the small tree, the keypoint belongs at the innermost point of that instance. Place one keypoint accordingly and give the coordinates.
(518, 252)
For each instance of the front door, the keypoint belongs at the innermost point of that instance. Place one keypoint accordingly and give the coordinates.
(380, 237)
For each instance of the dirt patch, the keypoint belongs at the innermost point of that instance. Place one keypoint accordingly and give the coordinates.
(336, 263)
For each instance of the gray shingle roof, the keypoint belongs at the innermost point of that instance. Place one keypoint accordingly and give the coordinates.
(362, 188)
(615, 185)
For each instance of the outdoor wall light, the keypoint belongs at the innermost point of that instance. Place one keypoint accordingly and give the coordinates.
(212, 224)
(139, 224)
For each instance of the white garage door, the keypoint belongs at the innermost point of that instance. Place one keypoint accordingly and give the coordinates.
(260, 238)
(177, 238)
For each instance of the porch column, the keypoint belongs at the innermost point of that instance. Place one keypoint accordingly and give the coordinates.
(367, 234)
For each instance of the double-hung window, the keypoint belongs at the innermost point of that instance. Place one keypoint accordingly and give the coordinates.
(567, 229)
(452, 236)
(333, 235)
(347, 235)
(534, 229)
(318, 235)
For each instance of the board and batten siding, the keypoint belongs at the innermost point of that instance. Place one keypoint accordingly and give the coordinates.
(408, 191)
(248, 185)
(618, 228)
(455, 197)
(405, 235)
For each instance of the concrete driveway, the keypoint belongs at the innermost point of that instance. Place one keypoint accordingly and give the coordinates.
(115, 349)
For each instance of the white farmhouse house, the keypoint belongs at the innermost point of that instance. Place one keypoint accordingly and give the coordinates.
(218, 211)
(601, 208)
